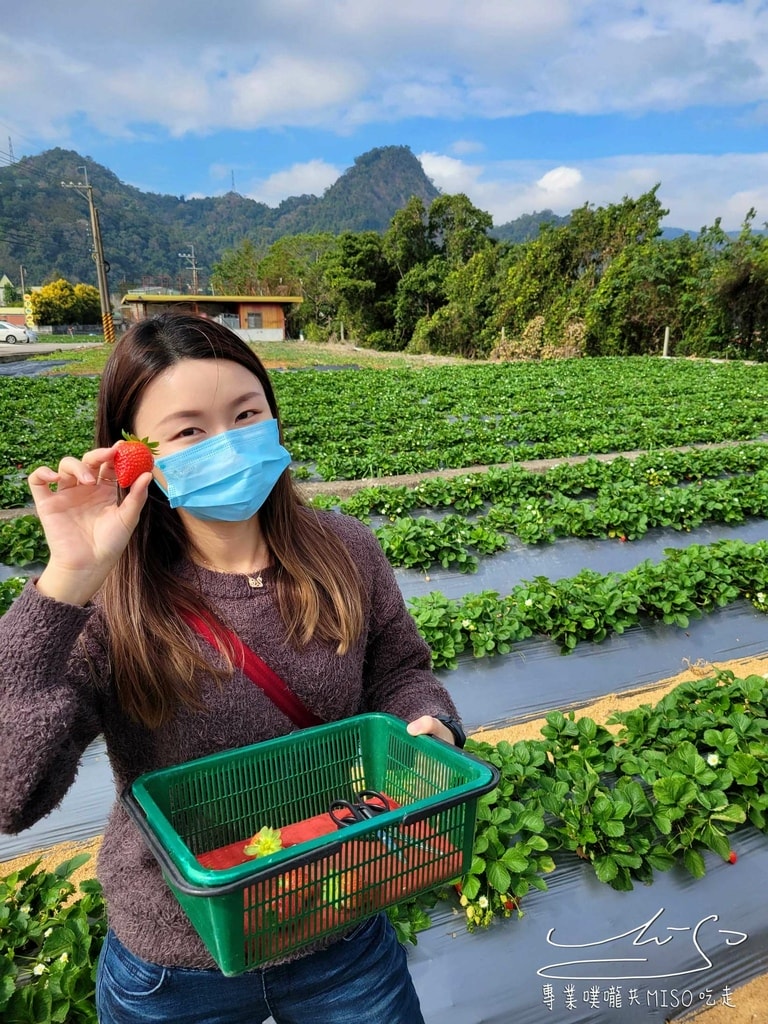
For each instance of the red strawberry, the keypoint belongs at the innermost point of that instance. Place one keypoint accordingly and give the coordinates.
(132, 458)
(732, 857)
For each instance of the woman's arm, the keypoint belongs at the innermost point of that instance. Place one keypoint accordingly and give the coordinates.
(48, 705)
(398, 675)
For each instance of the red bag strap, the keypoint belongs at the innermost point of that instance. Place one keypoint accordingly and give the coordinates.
(258, 672)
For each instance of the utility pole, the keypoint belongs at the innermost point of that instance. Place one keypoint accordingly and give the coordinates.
(102, 267)
(190, 257)
(28, 318)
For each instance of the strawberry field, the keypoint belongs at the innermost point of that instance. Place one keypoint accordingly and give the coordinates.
(630, 566)
(354, 424)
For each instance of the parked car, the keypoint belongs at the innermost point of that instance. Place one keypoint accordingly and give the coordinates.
(11, 333)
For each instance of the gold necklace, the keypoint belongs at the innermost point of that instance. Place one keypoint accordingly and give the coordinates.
(254, 579)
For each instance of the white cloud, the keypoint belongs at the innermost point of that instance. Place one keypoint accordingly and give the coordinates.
(695, 189)
(311, 178)
(187, 68)
(451, 175)
(561, 181)
(463, 146)
(177, 69)
(290, 90)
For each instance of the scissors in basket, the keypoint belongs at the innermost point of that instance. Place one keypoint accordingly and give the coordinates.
(367, 804)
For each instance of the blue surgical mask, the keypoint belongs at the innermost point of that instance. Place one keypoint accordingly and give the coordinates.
(227, 477)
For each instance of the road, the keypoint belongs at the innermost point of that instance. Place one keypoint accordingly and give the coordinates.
(13, 353)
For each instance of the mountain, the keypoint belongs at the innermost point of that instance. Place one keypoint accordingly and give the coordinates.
(527, 226)
(45, 225)
(364, 198)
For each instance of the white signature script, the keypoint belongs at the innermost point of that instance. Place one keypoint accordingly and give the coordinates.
(647, 940)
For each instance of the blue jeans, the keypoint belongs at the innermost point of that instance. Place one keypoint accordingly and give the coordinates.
(361, 979)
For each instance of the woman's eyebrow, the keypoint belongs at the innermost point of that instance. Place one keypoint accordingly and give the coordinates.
(183, 414)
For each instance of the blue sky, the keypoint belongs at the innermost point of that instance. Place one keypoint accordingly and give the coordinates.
(521, 104)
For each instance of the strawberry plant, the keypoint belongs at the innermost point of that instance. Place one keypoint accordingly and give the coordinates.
(421, 543)
(9, 591)
(435, 617)
(664, 789)
(383, 422)
(49, 944)
(590, 606)
(22, 541)
(618, 499)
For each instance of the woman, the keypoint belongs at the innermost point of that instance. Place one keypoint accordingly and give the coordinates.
(99, 644)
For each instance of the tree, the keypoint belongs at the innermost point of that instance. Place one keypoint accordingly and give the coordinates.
(420, 293)
(459, 326)
(642, 293)
(11, 296)
(457, 228)
(740, 293)
(237, 272)
(55, 303)
(363, 283)
(553, 279)
(599, 235)
(538, 280)
(295, 265)
(87, 304)
(406, 242)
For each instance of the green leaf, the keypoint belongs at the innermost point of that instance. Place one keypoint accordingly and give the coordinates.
(478, 866)
(498, 877)
(694, 862)
(674, 790)
(733, 813)
(662, 822)
(660, 859)
(532, 821)
(515, 860)
(470, 887)
(606, 868)
(500, 815)
(612, 828)
(745, 768)
(715, 841)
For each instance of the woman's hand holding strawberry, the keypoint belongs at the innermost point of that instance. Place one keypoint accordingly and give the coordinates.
(84, 526)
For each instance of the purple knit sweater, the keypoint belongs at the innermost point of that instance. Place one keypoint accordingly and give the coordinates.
(50, 710)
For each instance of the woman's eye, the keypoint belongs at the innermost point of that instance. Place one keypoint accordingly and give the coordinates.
(246, 414)
(187, 432)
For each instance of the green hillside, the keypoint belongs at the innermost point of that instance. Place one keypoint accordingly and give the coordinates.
(46, 226)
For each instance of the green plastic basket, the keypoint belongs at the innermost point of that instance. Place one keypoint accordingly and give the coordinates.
(255, 912)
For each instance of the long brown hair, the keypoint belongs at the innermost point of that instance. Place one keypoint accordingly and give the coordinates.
(318, 589)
